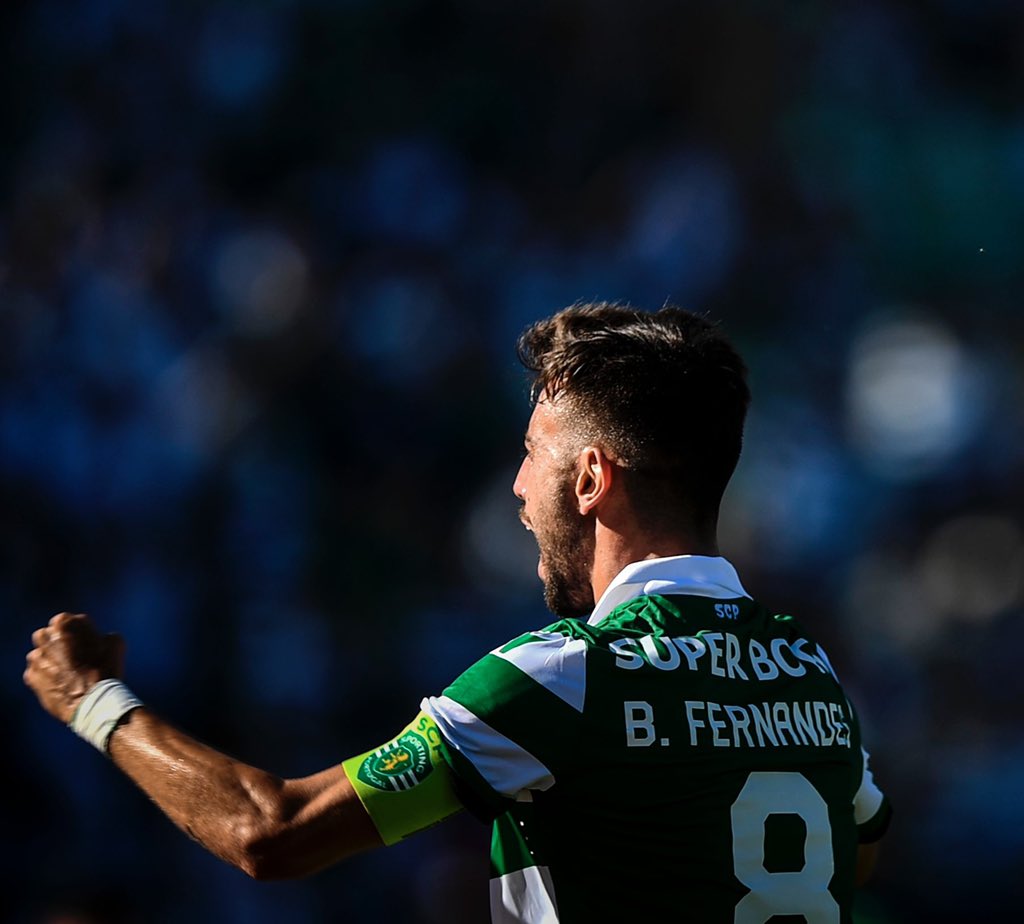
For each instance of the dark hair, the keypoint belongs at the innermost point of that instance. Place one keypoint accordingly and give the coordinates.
(664, 393)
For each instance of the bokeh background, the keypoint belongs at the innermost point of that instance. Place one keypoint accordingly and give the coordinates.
(262, 266)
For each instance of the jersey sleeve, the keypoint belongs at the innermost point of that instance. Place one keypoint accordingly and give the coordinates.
(871, 809)
(503, 718)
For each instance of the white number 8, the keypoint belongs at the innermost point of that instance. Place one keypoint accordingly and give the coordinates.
(805, 892)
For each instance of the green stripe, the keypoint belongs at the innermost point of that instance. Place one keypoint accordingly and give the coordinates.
(516, 706)
(514, 841)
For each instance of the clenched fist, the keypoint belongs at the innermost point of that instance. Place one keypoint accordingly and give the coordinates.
(69, 656)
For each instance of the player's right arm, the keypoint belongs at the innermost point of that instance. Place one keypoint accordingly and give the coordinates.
(267, 826)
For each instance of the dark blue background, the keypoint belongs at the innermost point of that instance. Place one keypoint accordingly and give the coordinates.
(261, 270)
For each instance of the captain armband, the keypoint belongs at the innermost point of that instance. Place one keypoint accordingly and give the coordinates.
(405, 785)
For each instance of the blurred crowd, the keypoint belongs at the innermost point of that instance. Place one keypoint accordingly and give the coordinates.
(262, 268)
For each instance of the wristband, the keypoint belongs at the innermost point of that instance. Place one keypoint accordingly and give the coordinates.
(100, 711)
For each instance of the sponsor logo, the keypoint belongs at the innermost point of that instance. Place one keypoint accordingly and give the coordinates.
(399, 765)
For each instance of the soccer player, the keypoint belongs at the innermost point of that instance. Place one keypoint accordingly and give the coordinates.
(669, 749)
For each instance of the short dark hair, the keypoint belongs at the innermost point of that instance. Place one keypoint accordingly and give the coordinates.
(664, 393)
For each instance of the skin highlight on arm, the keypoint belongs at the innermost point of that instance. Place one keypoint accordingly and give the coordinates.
(269, 827)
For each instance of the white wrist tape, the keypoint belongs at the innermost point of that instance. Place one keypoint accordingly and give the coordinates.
(100, 710)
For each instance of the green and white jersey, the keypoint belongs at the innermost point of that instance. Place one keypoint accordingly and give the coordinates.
(684, 755)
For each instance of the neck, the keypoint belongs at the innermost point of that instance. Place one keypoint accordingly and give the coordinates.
(614, 550)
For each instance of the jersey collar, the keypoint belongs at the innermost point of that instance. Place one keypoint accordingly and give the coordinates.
(699, 575)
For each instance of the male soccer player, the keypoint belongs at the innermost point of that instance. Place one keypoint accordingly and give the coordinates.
(668, 750)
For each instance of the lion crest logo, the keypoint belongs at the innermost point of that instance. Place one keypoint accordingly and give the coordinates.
(399, 765)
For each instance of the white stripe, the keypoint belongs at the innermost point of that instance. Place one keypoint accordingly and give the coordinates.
(556, 662)
(868, 800)
(526, 896)
(506, 767)
(698, 575)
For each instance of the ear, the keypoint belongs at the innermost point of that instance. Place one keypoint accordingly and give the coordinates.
(595, 478)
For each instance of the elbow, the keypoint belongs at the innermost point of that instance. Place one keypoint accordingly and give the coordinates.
(260, 860)
(256, 862)
(263, 853)
(262, 870)
(255, 868)
(261, 839)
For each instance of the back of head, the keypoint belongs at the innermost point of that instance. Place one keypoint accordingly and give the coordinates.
(663, 393)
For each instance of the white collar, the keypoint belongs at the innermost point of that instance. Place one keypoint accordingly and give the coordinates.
(699, 575)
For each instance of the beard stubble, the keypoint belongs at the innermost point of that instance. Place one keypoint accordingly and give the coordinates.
(566, 543)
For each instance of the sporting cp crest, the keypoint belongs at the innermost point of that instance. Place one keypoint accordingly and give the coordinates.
(399, 765)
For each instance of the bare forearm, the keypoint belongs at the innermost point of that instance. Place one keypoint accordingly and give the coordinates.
(226, 805)
(268, 827)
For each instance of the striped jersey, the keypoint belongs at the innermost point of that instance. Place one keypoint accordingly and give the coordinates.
(684, 754)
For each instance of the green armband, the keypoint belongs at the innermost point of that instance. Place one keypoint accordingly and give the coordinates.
(405, 785)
